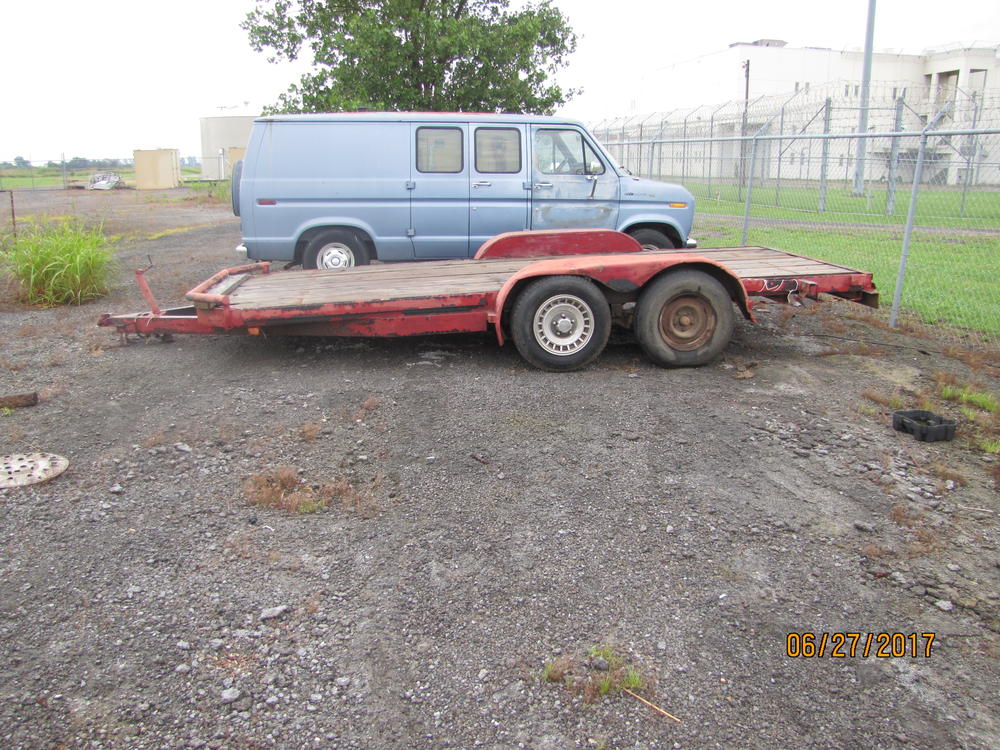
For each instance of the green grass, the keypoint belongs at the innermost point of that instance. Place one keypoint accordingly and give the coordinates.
(950, 279)
(966, 395)
(59, 263)
(936, 206)
(211, 192)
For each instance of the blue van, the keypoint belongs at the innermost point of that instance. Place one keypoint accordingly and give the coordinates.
(338, 190)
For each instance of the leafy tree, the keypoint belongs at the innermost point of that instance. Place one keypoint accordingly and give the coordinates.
(20, 161)
(433, 55)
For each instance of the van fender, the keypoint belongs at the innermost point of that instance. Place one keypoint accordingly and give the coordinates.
(332, 222)
(621, 273)
(638, 219)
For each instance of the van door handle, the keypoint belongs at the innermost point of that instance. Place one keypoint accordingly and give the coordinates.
(481, 184)
(539, 185)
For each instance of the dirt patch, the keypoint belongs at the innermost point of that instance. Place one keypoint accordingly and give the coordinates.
(486, 520)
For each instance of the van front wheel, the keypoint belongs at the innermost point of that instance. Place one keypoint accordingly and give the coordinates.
(335, 249)
(652, 239)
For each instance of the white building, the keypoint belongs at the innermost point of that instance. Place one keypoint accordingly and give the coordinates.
(223, 143)
(776, 68)
(813, 91)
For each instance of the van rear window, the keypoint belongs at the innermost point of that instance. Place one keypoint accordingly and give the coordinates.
(498, 150)
(439, 150)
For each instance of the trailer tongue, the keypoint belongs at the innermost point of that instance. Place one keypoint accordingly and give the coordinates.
(554, 293)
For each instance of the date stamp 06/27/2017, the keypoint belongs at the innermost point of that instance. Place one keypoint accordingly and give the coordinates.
(850, 645)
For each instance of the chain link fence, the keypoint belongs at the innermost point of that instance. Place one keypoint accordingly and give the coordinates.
(915, 200)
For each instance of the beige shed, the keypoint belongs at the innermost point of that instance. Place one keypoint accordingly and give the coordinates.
(156, 169)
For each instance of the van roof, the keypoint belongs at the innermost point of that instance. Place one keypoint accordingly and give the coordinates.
(419, 117)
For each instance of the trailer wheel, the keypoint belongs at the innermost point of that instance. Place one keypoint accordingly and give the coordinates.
(652, 239)
(334, 249)
(560, 323)
(684, 319)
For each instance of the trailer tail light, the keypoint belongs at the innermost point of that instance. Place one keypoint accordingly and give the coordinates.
(267, 202)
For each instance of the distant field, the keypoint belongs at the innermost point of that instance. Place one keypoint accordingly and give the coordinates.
(19, 178)
(951, 280)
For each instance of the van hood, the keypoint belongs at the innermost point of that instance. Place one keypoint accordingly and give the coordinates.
(641, 188)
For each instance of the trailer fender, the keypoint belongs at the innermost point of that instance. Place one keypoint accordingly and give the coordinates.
(622, 273)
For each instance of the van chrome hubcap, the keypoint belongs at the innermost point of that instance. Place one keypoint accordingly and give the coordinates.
(336, 255)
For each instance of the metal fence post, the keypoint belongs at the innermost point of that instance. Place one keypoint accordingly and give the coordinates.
(911, 214)
(659, 154)
(972, 147)
(621, 142)
(777, 183)
(823, 167)
(652, 150)
(890, 198)
(753, 164)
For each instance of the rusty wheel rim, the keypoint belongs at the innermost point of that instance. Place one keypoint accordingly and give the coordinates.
(687, 322)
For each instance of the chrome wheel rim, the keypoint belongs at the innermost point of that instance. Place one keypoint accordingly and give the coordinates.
(335, 256)
(563, 325)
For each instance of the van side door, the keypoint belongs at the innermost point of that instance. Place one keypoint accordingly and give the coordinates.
(500, 194)
(439, 190)
(571, 185)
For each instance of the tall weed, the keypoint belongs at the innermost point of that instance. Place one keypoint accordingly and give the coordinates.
(58, 263)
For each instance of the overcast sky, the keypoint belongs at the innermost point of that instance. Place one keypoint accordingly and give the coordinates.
(104, 77)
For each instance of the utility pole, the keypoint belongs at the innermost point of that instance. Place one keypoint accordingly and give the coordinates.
(866, 80)
(743, 129)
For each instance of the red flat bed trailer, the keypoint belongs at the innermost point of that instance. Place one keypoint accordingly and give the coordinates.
(556, 293)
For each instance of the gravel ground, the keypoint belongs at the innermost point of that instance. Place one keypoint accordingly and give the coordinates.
(488, 520)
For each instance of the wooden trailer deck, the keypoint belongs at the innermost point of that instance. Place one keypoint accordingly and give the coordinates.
(761, 269)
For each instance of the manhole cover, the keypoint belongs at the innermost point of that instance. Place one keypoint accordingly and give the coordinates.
(19, 469)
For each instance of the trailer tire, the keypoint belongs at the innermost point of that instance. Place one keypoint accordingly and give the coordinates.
(335, 249)
(652, 239)
(684, 319)
(560, 323)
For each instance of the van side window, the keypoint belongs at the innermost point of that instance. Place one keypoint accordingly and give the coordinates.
(498, 150)
(439, 150)
(565, 152)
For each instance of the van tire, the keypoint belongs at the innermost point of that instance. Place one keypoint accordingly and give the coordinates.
(560, 323)
(335, 249)
(652, 239)
(684, 319)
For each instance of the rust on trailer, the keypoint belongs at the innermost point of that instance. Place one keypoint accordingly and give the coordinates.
(626, 273)
(465, 295)
(529, 244)
(140, 279)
